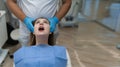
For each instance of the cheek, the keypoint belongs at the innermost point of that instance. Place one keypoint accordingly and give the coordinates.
(48, 27)
(35, 28)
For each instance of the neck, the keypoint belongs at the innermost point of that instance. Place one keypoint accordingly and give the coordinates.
(41, 40)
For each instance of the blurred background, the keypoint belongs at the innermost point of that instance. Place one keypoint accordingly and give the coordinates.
(90, 31)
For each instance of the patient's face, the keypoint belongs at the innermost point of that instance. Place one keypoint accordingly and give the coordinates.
(41, 27)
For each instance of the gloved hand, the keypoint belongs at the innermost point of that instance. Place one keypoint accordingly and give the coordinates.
(28, 22)
(53, 21)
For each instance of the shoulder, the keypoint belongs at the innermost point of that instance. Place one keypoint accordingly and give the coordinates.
(60, 51)
(18, 55)
(59, 47)
(19, 51)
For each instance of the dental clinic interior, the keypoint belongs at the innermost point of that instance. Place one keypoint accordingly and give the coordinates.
(90, 31)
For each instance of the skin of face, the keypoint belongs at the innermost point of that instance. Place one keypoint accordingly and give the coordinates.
(41, 27)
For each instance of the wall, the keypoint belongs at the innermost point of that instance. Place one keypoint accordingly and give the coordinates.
(103, 9)
(90, 8)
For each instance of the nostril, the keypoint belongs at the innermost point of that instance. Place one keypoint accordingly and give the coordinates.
(41, 23)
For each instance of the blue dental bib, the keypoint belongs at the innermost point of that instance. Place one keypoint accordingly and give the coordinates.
(41, 56)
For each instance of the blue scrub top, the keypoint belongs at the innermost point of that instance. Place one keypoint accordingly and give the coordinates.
(41, 56)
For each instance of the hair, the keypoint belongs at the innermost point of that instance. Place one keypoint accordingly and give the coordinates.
(33, 38)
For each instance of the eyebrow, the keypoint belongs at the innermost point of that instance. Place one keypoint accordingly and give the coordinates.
(46, 21)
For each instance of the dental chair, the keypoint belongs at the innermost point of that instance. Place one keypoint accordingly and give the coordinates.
(71, 17)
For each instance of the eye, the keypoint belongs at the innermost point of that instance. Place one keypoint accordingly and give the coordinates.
(46, 22)
(36, 22)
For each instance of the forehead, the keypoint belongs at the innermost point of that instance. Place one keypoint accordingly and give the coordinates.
(42, 19)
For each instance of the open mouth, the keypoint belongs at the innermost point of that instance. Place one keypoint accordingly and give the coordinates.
(41, 28)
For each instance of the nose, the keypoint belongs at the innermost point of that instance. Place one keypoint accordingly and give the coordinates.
(41, 23)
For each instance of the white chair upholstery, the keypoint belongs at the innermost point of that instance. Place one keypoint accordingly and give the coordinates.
(69, 60)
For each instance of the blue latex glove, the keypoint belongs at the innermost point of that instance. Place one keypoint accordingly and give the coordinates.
(53, 21)
(28, 22)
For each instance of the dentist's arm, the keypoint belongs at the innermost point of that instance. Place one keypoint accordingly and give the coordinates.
(14, 8)
(60, 14)
(66, 4)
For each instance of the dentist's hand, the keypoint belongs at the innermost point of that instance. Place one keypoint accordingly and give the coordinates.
(53, 21)
(28, 22)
